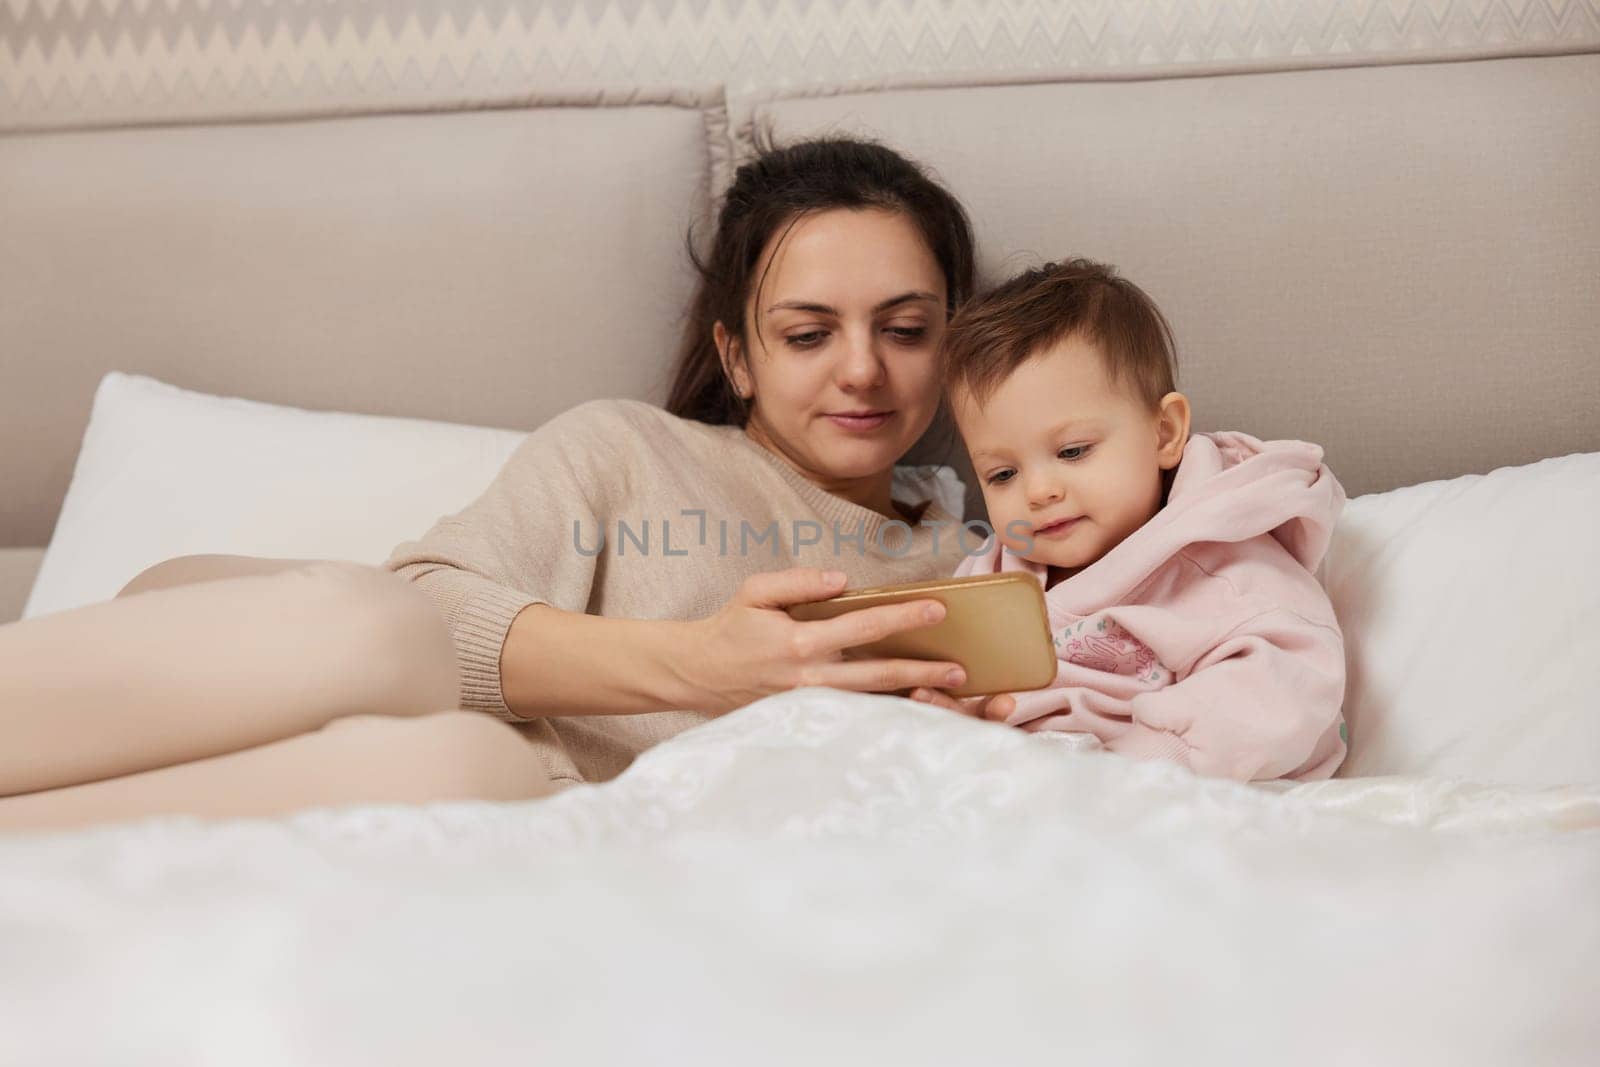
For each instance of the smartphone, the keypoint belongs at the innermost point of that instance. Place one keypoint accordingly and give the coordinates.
(995, 626)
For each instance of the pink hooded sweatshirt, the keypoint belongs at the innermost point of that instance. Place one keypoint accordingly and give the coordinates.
(1204, 637)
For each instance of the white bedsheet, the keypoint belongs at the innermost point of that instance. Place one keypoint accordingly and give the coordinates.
(827, 878)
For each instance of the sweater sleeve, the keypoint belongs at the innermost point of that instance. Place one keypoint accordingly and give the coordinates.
(1264, 703)
(530, 538)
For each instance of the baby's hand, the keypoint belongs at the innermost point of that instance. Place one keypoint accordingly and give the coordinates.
(993, 708)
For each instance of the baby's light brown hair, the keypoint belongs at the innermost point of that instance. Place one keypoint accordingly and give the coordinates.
(996, 333)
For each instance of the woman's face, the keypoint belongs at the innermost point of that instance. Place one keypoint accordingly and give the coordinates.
(841, 337)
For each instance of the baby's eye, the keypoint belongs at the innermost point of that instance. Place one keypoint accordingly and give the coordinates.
(809, 339)
(1074, 452)
(1000, 477)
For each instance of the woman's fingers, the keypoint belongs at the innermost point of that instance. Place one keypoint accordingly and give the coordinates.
(989, 707)
(856, 628)
(887, 675)
(939, 698)
(797, 585)
(994, 709)
(787, 653)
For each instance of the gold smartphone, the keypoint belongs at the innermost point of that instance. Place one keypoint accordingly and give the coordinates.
(995, 626)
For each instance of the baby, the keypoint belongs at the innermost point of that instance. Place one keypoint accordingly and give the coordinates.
(1177, 567)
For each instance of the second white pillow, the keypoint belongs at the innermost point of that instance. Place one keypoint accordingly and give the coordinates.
(1471, 617)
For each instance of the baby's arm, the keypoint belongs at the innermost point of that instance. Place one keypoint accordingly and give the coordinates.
(1264, 703)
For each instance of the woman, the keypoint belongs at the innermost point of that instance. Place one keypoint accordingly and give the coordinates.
(227, 686)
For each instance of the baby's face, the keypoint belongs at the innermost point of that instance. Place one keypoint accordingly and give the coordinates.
(1070, 464)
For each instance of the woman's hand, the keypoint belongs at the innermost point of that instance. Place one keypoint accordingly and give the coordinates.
(752, 648)
(995, 708)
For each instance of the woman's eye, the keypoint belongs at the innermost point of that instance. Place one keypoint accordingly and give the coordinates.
(809, 339)
(1000, 477)
(908, 334)
(1075, 452)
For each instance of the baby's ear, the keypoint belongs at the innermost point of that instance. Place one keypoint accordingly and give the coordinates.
(1172, 429)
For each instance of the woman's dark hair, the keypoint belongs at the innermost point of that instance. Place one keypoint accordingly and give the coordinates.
(772, 192)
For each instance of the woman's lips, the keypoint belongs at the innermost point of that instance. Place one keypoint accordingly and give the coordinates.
(861, 423)
(1059, 528)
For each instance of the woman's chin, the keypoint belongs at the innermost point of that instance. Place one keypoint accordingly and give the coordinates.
(862, 459)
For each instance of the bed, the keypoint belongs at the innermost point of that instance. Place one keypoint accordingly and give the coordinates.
(828, 878)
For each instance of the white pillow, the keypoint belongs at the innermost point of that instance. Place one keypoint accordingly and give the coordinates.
(1471, 616)
(166, 472)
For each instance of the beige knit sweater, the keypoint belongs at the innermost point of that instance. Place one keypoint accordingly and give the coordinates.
(687, 511)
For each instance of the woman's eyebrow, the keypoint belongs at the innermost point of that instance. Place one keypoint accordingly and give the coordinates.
(826, 309)
(906, 298)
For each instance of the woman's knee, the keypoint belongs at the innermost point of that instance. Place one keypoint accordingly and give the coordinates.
(375, 643)
(448, 755)
(189, 570)
(393, 636)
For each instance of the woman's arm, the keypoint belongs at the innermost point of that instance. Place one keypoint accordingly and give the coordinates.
(569, 663)
(513, 592)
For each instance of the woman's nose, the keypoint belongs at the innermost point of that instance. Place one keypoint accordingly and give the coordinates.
(859, 367)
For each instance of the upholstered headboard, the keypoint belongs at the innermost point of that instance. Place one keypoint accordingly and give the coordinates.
(1399, 262)
(1373, 225)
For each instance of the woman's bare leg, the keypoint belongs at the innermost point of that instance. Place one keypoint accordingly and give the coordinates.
(191, 570)
(199, 665)
(451, 755)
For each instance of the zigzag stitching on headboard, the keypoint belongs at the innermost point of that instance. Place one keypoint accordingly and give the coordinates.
(70, 60)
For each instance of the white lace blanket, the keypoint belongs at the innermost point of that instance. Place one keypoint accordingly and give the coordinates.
(825, 878)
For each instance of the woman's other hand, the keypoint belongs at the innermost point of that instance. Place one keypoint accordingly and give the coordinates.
(752, 648)
(995, 708)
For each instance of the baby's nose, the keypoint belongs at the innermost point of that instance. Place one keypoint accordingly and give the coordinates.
(1044, 491)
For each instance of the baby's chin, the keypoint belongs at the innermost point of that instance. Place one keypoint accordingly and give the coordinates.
(1071, 561)
(1067, 567)
(1066, 558)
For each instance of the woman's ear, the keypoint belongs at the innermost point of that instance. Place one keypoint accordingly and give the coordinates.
(1172, 430)
(732, 355)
